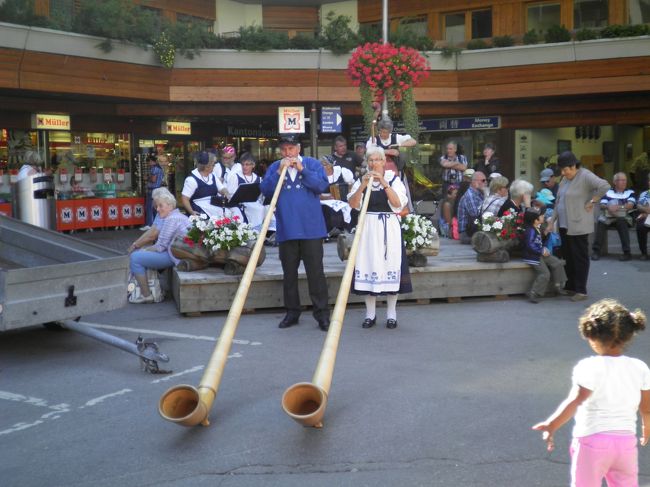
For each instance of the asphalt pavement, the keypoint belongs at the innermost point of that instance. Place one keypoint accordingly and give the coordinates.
(446, 399)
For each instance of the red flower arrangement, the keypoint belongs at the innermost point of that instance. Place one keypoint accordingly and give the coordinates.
(387, 69)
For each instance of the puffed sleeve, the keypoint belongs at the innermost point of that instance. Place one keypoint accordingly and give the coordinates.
(400, 189)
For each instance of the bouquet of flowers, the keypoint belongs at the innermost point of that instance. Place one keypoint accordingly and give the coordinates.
(417, 231)
(218, 233)
(507, 227)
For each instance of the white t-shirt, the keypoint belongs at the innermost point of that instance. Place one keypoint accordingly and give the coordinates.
(616, 384)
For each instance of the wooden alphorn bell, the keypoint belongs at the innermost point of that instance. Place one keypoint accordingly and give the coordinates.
(187, 405)
(305, 402)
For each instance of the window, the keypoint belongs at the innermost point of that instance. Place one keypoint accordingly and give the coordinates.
(542, 16)
(417, 25)
(639, 12)
(481, 24)
(588, 14)
(454, 27)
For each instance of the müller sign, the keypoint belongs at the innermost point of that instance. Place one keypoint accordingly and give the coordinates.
(50, 122)
(176, 128)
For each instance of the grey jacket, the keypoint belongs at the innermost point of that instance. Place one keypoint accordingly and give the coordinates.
(583, 187)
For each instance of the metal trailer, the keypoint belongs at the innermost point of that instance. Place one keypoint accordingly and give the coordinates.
(48, 277)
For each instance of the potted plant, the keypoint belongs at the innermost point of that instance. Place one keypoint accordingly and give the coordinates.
(420, 239)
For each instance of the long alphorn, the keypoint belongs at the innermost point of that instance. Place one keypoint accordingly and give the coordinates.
(189, 406)
(305, 402)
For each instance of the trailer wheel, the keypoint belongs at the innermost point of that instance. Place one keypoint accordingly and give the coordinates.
(56, 325)
(53, 326)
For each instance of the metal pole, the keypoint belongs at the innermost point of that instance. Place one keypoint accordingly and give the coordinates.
(146, 351)
(313, 129)
(384, 26)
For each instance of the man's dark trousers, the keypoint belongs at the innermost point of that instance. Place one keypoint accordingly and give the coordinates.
(311, 253)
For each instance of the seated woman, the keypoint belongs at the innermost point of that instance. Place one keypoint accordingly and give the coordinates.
(381, 267)
(520, 197)
(202, 189)
(497, 197)
(251, 212)
(447, 211)
(158, 256)
(338, 214)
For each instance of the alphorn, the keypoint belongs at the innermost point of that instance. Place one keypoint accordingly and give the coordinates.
(305, 402)
(187, 405)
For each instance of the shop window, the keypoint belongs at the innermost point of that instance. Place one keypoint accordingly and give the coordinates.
(639, 11)
(481, 24)
(454, 27)
(540, 17)
(588, 14)
(417, 25)
(14, 144)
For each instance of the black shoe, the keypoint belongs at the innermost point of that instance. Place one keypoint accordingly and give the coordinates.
(324, 324)
(369, 323)
(391, 323)
(643, 257)
(595, 256)
(625, 257)
(532, 297)
(288, 321)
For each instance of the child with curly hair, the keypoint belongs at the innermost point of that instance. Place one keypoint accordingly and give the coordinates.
(608, 390)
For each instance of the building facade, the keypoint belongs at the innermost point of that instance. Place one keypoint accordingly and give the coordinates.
(532, 101)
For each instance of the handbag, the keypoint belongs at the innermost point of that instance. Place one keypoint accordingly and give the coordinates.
(134, 291)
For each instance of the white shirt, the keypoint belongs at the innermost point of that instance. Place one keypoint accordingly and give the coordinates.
(190, 185)
(398, 187)
(223, 176)
(348, 177)
(399, 138)
(616, 384)
(233, 182)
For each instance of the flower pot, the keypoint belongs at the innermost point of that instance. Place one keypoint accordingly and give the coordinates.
(416, 258)
(182, 250)
(218, 257)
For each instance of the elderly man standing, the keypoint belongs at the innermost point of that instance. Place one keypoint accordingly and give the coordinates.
(454, 165)
(469, 207)
(615, 207)
(300, 228)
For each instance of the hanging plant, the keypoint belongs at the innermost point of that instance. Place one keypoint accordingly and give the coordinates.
(165, 50)
(386, 71)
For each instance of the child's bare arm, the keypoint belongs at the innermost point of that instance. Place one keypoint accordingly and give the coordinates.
(644, 410)
(564, 412)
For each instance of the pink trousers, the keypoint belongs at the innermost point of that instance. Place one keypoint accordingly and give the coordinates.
(612, 456)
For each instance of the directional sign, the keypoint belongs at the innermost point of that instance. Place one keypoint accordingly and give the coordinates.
(330, 120)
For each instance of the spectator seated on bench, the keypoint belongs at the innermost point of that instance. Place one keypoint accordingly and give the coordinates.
(616, 208)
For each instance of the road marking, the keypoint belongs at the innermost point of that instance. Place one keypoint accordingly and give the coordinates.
(99, 399)
(55, 410)
(189, 371)
(168, 334)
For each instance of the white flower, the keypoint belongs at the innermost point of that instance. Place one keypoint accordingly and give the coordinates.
(498, 225)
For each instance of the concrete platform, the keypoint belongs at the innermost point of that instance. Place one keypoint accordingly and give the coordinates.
(453, 274)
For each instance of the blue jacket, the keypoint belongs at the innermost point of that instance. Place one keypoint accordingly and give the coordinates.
(298, 212)
(533, 246)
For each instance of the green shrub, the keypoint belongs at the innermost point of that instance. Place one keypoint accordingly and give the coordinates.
(448, 52)
(404, 36)
(255, 38)
(475, 44)
(612, 31)
(586, 35)
(503, 41)
(557, 33)
(21, 12)
(302, 41)
(369, 33)
(337, 35)
(531, 37)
